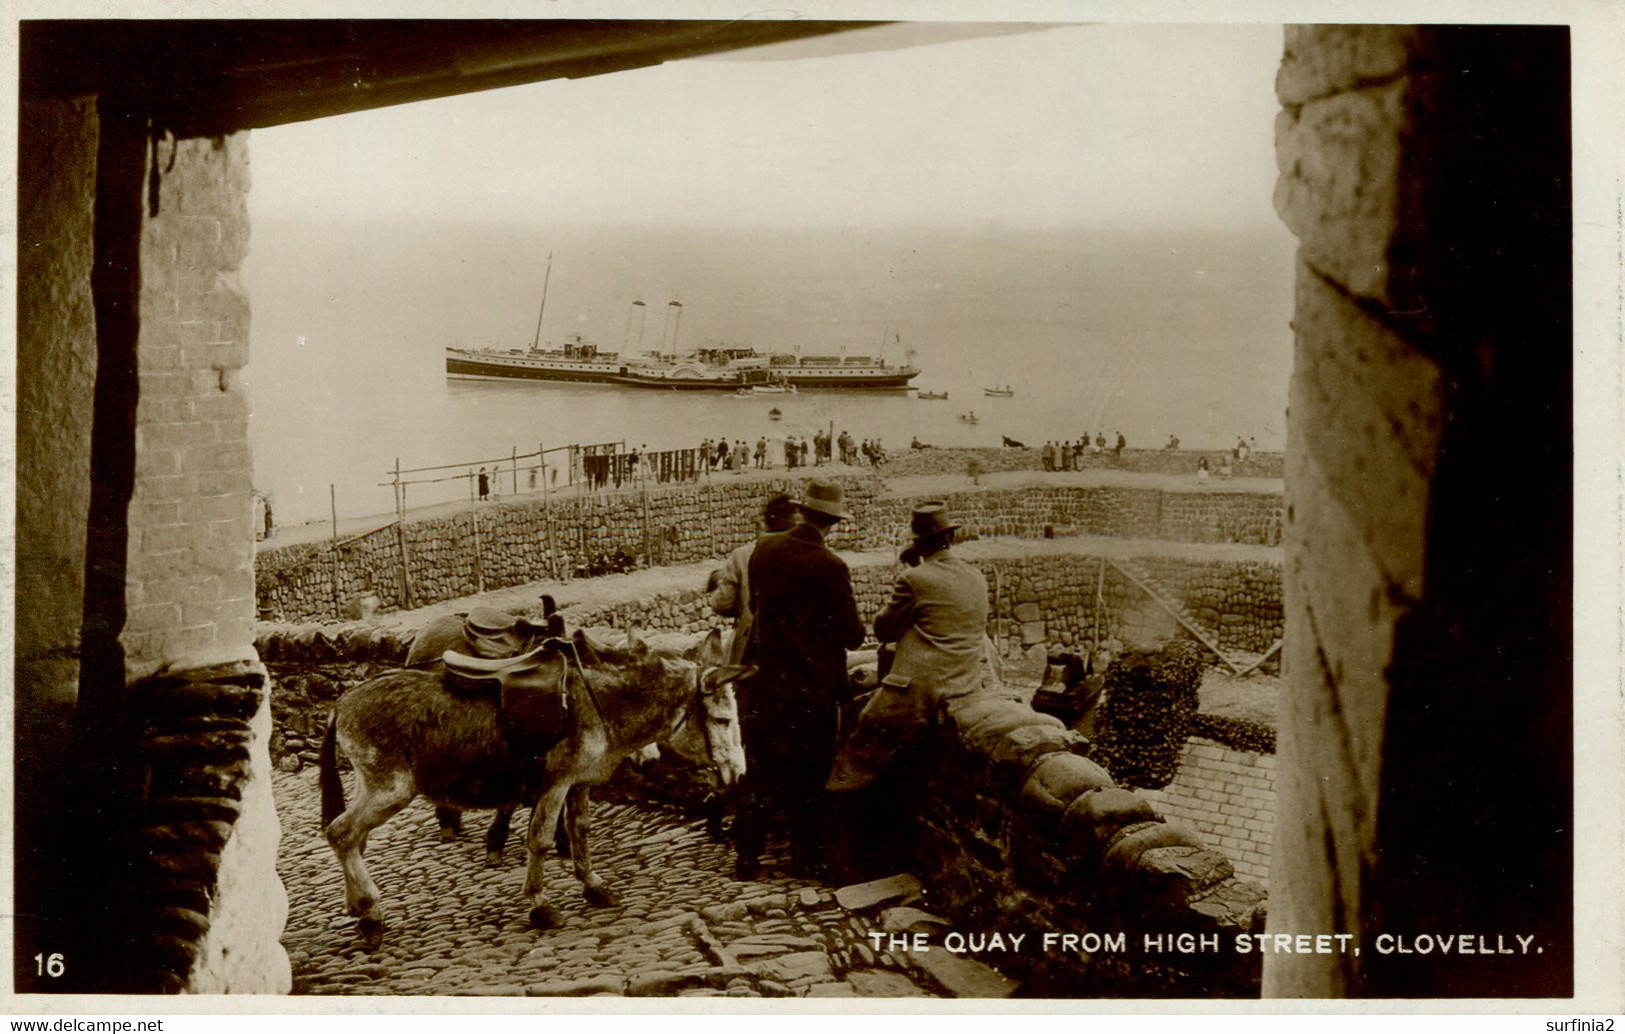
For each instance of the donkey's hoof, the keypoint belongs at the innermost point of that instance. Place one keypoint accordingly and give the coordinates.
(448, 834)
(361, 907)
(371, 931)
(600, 897)
(546, 917)
(493, 859)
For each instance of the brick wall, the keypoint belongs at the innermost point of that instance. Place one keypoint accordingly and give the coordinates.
(1228, 796)
(189, 576)
(190, 579)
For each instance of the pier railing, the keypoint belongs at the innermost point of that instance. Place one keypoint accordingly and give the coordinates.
(581, 469)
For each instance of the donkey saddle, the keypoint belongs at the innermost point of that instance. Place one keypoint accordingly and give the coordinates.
(529, 689)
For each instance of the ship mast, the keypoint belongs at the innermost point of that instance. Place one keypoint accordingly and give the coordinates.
(537, 340)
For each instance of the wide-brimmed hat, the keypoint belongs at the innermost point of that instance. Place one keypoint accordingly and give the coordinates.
(824, 497)
(930, 520)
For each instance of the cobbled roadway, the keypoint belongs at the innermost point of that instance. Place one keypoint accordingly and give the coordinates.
(685, 927)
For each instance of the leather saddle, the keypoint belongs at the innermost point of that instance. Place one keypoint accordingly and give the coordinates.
(493, 633)
(529, 689)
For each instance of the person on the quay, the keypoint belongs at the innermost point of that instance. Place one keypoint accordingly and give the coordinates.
(937, 617)
(805, 618)
(485, 484)
(729, 587)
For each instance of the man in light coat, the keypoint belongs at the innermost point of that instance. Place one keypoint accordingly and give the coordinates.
(937, 616)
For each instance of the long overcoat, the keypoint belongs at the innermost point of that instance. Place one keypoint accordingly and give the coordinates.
(805, 618)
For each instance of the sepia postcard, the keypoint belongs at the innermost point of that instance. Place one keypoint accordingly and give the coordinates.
(853, 509)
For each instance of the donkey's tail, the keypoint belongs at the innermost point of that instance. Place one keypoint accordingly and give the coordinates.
(328, 766)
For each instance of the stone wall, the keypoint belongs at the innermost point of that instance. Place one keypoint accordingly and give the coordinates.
(512, 544)
(1019, 832)
(903, 462)
(1427, 174)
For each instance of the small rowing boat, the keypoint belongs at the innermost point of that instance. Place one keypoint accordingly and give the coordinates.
(930, 395)
(1005, 392)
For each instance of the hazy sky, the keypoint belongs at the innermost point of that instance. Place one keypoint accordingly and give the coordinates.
(1151, 125)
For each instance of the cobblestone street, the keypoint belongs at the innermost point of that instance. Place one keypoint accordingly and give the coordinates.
(686, 926)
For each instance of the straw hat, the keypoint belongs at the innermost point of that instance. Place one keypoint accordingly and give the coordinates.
(824, 497)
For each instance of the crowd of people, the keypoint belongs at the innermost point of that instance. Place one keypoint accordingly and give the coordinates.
(793, 452)
(1063, 455)
(796, 618)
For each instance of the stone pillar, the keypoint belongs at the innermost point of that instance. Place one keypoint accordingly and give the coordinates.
(175, 865)
(56, 362)
(1424, 172)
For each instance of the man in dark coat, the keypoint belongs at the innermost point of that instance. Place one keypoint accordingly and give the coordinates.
(806, 618)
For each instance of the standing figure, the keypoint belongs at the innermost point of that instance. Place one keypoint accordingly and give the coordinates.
(729, 587)
(805, 618)
(485, 484)
(937, 616)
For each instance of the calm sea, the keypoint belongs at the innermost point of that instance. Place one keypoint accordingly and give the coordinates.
(1105, 330)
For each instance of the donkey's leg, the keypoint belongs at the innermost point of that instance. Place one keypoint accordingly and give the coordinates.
(450, 821)
(496, 838)
(544, 820)
(348, 837)
(577, 824)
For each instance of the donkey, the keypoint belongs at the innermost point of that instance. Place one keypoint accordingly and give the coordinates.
(405, 734)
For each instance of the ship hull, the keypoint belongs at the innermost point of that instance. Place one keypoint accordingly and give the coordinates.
(475, 368)
(464, 365)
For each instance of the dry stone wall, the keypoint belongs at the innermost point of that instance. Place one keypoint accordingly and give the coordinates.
(1019, 831)
(512, 544)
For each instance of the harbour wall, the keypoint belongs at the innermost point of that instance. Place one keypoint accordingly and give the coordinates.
(496, 546)
(904, 462)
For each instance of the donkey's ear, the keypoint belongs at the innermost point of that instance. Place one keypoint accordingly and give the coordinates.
(710, 653)
(732, 673)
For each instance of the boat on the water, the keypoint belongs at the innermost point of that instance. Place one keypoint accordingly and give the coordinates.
(718, 368)
(774, 414)
(1000, 393)
(931, 395)
(968, 418)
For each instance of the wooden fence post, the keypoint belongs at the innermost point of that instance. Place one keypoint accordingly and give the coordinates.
(400, 538)
(338, 597)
